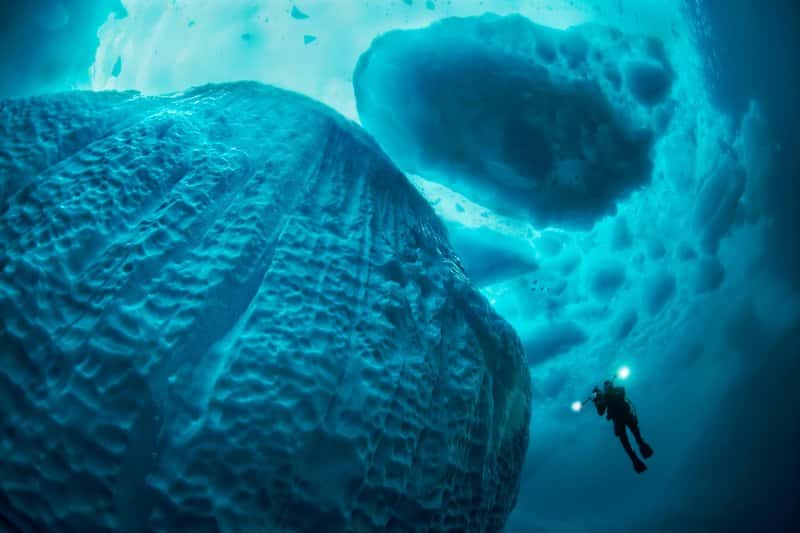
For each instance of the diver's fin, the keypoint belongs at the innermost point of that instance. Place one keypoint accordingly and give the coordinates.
(646, 450)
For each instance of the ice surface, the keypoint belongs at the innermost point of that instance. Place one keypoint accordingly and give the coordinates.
(553, 125)
(117, 67)
(554, 339)
(659, 289)
(607, 279)
(490, 257)
(718, 201)
(227, 309)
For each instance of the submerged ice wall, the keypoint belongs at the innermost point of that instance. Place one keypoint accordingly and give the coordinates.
(226, 309)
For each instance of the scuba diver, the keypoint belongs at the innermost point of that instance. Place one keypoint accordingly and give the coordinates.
(611, 402)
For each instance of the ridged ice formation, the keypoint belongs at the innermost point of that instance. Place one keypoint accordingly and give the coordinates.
(530, 121)
(226, 309)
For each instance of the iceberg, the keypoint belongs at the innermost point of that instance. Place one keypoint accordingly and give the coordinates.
(553, 126)
(226, 309)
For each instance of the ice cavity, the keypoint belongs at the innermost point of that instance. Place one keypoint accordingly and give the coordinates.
(549, 125)
(227, 309)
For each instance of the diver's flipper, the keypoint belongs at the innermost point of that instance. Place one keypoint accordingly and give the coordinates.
(646, 450)
(639, 466)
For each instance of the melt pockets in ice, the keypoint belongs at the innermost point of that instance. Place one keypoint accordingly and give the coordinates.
(528, 120)
(227, 309)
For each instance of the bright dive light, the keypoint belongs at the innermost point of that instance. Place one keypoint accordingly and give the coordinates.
(576, 406)
(623, 372)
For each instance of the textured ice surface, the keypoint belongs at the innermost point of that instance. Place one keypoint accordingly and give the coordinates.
(555, 125)
(226, 309)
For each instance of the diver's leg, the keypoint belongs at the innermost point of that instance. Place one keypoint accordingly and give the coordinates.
(645, 448)
(638, 464)
(634, 427)
(623, 438)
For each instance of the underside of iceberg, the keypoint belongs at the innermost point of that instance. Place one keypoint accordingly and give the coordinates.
(557, 126)
(226, 309)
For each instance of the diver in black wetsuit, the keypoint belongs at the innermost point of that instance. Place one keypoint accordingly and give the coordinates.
(611, 402)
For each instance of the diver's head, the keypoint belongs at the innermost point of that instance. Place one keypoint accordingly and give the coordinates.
(607, 384)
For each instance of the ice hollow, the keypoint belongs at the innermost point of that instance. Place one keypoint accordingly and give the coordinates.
(554, 125)
(226, 309)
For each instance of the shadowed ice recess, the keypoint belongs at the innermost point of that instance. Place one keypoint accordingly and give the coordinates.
(554, 125)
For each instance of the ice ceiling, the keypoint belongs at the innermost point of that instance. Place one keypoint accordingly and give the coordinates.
(677, 277)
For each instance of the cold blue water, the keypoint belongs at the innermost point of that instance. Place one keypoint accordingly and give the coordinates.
(355, 266)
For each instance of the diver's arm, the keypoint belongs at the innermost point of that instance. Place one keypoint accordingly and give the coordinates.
(599, 402)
